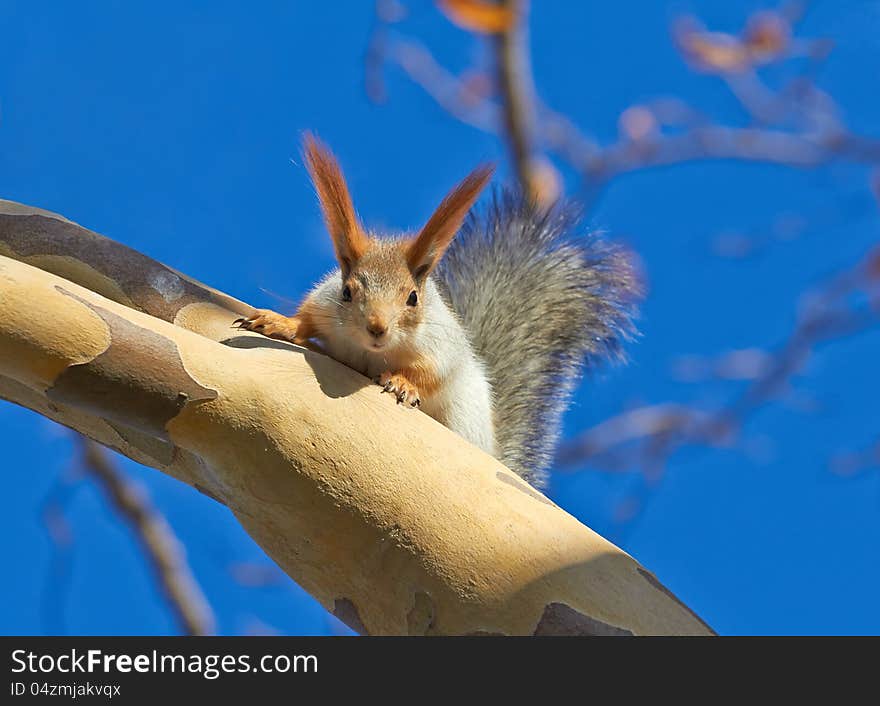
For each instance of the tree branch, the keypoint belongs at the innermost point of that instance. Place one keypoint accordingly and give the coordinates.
(521, 120)
(162, 549)
(390, 520)
(518, 100)
(845, 306)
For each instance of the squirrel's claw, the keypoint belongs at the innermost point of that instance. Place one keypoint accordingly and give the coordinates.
(400, 387)
(269, 324)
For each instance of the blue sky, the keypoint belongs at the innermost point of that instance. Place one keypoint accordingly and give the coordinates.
(174, 127)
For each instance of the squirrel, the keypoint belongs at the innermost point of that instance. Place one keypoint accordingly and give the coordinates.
(487, 332)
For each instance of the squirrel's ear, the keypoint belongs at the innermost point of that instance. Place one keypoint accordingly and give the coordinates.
(349, 239)
(425, 250)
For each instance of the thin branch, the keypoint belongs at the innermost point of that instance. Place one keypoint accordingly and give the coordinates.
(521, 119)
(518, 96)
(713, 142)
(845, 306)
(449, 91)
(160, 546)
(61, 538)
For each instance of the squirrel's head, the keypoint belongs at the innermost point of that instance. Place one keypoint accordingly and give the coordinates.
(383, 280)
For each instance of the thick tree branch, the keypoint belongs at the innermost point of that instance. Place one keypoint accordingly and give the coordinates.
(390, 520)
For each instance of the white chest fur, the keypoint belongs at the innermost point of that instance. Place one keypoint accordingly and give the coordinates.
(463, 398)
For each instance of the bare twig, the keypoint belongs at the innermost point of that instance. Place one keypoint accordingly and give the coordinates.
(522, 120)
(518, 96)
(653, 433)
(455, 95)
(61, 537)
(161, 548)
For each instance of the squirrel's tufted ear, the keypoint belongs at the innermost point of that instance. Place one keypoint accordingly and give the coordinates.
(349, 239)
(425, 250)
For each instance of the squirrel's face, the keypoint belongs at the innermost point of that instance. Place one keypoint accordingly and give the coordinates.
(382, 280)
(381, 298)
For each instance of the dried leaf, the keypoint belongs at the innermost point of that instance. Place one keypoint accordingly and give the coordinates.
(478, 15)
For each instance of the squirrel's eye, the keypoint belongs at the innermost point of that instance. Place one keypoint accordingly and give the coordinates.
(346, 293)
(413, 298)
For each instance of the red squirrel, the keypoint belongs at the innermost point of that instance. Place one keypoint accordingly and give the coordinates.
(487, 332)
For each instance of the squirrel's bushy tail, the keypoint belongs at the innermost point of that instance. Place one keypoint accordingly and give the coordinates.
(539, 300)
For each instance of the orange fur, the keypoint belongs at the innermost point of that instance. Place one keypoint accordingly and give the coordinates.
(272, 325)
(423, 374)
(401, 387)
(298, 328)
(379, 276)
(425, 250)
(349, 239)
(307, 328)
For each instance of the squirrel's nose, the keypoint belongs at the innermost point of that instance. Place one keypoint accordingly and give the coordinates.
(377, 328)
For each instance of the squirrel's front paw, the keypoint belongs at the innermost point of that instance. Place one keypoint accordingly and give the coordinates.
(270, 324)
(402, 388)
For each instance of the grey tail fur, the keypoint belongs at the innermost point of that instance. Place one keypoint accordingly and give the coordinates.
(539, 300)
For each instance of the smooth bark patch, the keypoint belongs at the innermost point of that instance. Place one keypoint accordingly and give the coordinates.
(139, 381)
